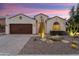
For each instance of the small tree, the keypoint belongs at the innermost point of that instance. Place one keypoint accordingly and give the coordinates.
(2, 26)
(72, 12)
(76, 16)
(72, 24)
(72, 27)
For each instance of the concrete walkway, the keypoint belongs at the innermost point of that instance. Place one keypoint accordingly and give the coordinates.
(12, 44)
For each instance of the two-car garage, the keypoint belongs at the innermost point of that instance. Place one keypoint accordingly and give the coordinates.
(20, 24)
(20, 28)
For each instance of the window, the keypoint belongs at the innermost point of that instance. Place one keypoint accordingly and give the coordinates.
(56, 26)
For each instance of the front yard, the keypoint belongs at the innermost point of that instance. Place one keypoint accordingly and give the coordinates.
(27, 45)
(39, 47)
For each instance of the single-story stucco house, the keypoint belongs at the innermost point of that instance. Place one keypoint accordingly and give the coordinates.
(23, 24)
(2, 24)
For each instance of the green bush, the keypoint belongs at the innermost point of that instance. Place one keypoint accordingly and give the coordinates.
(2, 26)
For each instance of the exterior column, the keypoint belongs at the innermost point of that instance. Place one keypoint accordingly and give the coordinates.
(36, 27)
(45, 27)
(6, 25)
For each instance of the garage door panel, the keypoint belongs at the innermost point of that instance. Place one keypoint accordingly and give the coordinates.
(21, 28)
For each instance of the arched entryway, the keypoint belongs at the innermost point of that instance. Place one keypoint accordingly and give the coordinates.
(56, 26)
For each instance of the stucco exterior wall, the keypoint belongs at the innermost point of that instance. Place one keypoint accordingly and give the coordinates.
(38, 18)
(35, 22)
(23, 20)
(51, 21)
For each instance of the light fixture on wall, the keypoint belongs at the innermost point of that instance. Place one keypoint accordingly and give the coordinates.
(20, 17)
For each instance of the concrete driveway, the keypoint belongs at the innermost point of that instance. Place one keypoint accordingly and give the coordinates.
(12, 44)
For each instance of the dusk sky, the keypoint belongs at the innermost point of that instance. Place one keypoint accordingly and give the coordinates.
(31, 9)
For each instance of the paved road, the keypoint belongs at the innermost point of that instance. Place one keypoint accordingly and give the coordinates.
(12, 44)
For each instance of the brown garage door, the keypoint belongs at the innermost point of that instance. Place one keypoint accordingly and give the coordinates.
(20, 28)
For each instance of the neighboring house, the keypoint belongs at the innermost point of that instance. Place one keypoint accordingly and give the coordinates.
(2, 24)
(2, 20)
(22, 24)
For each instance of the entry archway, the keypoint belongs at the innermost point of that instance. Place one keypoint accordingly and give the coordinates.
(56, 26)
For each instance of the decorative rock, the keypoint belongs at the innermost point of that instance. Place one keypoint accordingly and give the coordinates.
(74, 44)
(44, 39)
(50, 41)
(65, 41)
(55, 38)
